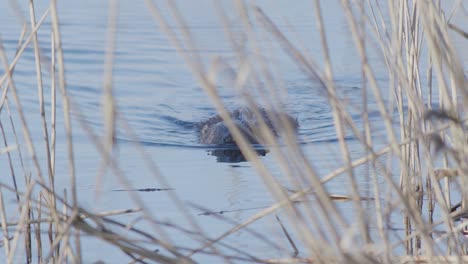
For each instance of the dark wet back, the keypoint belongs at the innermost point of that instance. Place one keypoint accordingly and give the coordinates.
(215, 131)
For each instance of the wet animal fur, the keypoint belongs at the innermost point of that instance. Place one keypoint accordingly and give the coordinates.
(215, 131)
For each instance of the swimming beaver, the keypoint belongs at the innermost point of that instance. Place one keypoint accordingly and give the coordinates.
(215, 131)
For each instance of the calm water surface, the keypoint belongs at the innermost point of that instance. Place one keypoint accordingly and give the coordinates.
(160, 99)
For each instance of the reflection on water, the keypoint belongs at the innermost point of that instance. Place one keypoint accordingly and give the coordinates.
(233, 155)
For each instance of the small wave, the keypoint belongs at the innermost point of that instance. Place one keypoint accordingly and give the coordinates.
(178, 122)
(144, 142)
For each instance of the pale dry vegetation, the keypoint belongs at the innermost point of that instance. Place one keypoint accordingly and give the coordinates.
(426, 145)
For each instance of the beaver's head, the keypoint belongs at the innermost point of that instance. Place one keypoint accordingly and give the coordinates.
(215, 131)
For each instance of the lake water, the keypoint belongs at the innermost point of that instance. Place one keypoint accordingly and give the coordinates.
(161, 101)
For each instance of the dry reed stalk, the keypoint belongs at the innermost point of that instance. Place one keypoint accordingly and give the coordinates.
(208, 84)
(25, 129)
(415, 161)
(65, 99)
(410, 205)
(29, 144)
(197, 69)
(288, 236)
(6, 242)
(289, 261)
(7, 151)
(187, 36)
(68, 222)
(206, 78)
(369, 147)
(288, 166)
(124, 243)
(124, 182)
(53, 106)
(113, 165)
(63, 250)
(272, 102)
(66, 113)
(18, 54)
(329, 210)
(431, 259)
(17, 142)
(458, 30)
(437, 52)
(340, 126)
(116, 170)
(108, 102)
(27, 240)
(24, 215)
(372, 167)
(27, 232)
(62, 232)
(443, 54)
(40, 91)
(38, 230)
(159, 178)
(405, 20)
(64, 217)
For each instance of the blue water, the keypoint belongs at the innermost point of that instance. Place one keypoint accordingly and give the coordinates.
(161, 101)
